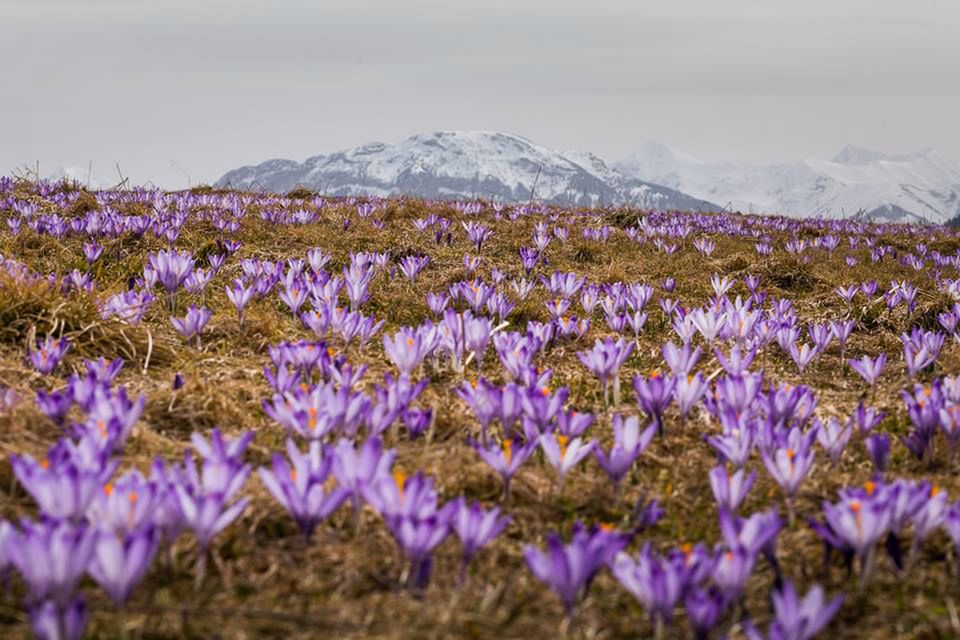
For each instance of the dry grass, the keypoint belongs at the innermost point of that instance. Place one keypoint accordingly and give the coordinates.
(266, 582)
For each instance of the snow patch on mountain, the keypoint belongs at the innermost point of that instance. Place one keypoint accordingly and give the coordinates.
(464, 164)
(912, 187)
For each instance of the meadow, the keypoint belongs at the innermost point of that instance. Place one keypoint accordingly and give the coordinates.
(243, 415)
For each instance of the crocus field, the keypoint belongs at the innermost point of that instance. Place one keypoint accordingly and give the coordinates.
(245, 415)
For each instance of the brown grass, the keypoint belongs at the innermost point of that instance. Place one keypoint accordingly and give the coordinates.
(266, 582)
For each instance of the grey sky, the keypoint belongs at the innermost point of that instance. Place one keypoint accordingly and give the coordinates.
(215, 85)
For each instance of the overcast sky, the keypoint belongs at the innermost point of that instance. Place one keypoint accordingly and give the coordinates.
(215, 85)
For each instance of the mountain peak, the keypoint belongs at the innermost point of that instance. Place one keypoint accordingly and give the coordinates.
(852, 154)
(465, 164)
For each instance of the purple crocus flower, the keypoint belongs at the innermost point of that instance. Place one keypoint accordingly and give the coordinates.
(92, 251)
(239, 296)
(604, 361)
(193, 323)
(476, 335)
(690, 389)
(298, 485)
(405, 349)
(869, 368)
(568, 569)
(929, 517)
(858, 522)
(48, 354)
(866, 419)
(204, 497)
(878, 447)
(951, 524)
(797, 619)
(61, 484)
(790, 465)
(654, 395)
(506, 459)
(171, 267)
(354, 469)
(564, 453)
(541, 406)
(833, 437)
(125, 505)
(628, 443)
(410, 507)
(476, 527)
(757, 533)
(802, 354)
(704, 608)
(52, 557)
(658, 583)
(729, 490)
(732, 569)
(120, 563)
(50, 621)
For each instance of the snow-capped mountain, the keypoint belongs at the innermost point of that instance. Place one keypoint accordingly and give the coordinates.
(464, 164)
(920, 186)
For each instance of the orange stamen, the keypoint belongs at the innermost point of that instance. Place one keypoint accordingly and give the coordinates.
(400, 478)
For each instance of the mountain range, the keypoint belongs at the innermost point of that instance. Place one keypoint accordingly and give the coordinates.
(914, 187)
(465, 164)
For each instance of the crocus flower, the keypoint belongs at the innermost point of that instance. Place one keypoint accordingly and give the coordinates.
(61, 485)
(757, 533)
(298, 485)
(476, 334)
(568, 569)
(878, 446)
(859, 522)
(604, 361)
(869, 368)
(790, 465)
(658, 583)
(689, 391)
(506, 459)
(171, 267)
(239, 296)
(354, 469)
(51, 557)
(204, 497)
(704, 608)
(729, 490)
(736, 443)
(48, 354)
(50, 621)
(564, 453)
(732, 569)
(833, 437)
(654, 395)
(126, 504)
(405, 349)
(410, 507)
(628, 443)
(193, 323)
(802, 354)
(929, 517)
(476, 527)
(102, 370)
(120, 563)
(92, 251)
(795, 618)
